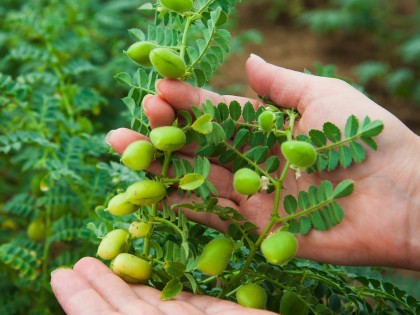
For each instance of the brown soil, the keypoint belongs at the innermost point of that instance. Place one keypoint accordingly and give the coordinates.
(298, 48)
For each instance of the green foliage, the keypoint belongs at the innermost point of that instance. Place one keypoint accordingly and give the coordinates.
(231, 134)
(343, 152)
(58, 60)
(382, 23)
(55, 71)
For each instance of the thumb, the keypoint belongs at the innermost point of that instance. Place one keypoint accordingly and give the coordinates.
(286, 88)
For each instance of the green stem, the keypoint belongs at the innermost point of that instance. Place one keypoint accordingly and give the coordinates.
(185, 36)
(153, 214)
(255, 126)
(244, 269)
(190, 20)
(209, 279)
(144, 89)
(146, 247)
(175, 227)
(337, 144)
(305, 212)
(204, 6)
(274, 214)
(378, 293)
(242, 156)
(289, 130)
(284, 173)
(317, 277)
(166, 162)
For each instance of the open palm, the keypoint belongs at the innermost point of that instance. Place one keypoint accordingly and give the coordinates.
(382, 214)
(92, 288)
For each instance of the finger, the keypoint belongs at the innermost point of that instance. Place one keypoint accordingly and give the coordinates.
(120, 138)
(76, 295)
(159, 112)
(287, 88)
(169, 307)
(181, 95)
(111, 287)
(221, 177)
(211, 305)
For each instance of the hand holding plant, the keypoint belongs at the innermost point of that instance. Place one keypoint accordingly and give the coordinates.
(354, 241)
(318, 100)
(276, 175)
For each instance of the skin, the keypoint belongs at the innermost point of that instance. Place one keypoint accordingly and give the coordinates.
(382, 216)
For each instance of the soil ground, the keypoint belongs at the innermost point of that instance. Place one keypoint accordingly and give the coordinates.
(298, 48)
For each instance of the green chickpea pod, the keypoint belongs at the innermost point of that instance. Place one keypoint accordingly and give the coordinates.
(140, 52)
(168, 138)
(216, 255)
(168, 63)
(279, 247)
(246, 181)
(131, 268)
(252, 295)
(180, 6)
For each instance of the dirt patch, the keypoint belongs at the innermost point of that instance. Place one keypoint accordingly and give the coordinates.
(298, 48)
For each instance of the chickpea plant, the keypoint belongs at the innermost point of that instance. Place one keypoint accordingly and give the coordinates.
(146, 239)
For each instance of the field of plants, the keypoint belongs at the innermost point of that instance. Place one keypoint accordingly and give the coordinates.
(72, 70)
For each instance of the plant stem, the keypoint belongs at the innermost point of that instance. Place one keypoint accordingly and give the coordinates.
(244, 269)
(337, 144)
(166, 162)
(289, 130)
(175, 227)
(153, 215)
(305, 212)
(278, 184)
(190, 20)
(146, 247)
(185, 36)
(242, 156)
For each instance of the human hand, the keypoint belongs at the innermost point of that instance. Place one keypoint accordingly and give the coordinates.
(382, 216)
(92, 288)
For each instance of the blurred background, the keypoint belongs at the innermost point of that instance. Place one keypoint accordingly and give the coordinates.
(58, 99)
(375, 44)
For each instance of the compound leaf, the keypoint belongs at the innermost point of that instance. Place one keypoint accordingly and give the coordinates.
(290, 204)
(272, 164)
(352, 126)
(343, 189)
(318, 138)
(357, 152)
(191, 181)
(203, 124)
(172, 289)
(345, 156)
(332, 132)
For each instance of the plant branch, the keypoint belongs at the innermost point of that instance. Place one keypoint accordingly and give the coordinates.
(242, 156)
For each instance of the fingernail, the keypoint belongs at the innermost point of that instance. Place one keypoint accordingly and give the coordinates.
(256, 57)
(145, 103)
(108, 137)
(57, 269)
(157, 83)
